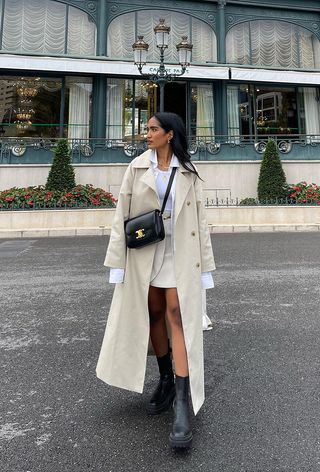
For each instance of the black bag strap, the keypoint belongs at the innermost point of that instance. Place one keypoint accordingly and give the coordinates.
(168, 189)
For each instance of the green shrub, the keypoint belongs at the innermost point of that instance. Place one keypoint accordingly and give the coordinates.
(272, 179)
(61, 175)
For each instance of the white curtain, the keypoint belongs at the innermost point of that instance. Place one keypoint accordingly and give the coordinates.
(204, 42)
(34, 26)
(121, 36)
(233, 113)
(205, 111)
(316, 51)
(312, 113)
(39, 26)
(81, 33)
(238, 44)
(79, 111)
(115, 95)
(272, 43)
(123, 30)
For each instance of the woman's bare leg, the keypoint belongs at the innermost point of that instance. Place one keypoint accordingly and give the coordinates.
(158, 328)
(179, 352)
(164, 393)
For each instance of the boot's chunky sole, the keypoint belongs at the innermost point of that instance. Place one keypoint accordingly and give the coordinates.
(183, 442)
(156, 409)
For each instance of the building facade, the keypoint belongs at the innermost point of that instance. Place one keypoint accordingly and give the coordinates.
(66, 70)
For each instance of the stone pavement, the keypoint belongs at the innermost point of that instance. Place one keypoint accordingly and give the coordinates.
(262, 363)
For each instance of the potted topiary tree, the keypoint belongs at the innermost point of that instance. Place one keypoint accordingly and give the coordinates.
(61, 175)
(272, 179)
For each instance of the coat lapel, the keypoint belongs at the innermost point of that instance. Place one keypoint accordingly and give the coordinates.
(183, 185)
(148, 179)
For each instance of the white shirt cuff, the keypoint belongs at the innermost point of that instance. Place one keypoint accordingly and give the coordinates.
(116, 276)
(206, 280)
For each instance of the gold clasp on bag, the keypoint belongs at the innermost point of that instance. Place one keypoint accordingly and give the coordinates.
(140, 233)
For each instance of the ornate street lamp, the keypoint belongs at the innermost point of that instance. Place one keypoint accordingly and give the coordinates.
(162, 75)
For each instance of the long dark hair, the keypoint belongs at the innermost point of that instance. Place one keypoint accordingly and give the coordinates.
(179, 144)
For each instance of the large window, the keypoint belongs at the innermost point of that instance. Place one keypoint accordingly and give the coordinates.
(261, 111)
(78, 102)
(124, 30)
(34, 107)
(309, 107)
(202, 110)
(46, 27)
(270, 43)
(129, 105)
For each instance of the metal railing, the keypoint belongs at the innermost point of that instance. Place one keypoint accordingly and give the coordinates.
(250, 202)
(52, 206)
(131, 147)
(209, 203)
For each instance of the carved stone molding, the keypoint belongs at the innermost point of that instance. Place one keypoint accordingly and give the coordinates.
(89, 6)
(187, 8)
(222, 4)
(308, 22)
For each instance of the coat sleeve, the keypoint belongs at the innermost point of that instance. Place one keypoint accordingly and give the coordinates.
(117, 250)
(207, 259)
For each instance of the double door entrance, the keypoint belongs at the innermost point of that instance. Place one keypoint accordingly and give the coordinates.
(194, 102)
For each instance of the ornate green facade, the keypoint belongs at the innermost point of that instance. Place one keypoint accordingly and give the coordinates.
(232, 102)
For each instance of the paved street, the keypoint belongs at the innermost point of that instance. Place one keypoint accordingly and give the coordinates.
(262, 363)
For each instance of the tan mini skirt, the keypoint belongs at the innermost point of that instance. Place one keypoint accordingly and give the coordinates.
(163, 273)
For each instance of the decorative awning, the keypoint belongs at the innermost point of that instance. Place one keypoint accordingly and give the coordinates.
(100, 66)
(110, 67)
(268, 75)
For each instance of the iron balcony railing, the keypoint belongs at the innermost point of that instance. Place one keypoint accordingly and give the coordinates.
(199, 146)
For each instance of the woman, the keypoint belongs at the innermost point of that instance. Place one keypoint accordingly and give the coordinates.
(158, 287)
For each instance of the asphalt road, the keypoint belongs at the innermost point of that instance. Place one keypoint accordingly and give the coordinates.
(262, 363)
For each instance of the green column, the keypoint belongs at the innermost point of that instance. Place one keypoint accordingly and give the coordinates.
(221, 110)
(62, 107)
(101, 29)
(221, 88)
(99, 82)
(221, 38)
(99, 107)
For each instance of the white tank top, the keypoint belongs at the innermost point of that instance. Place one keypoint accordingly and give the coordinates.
(162, 179)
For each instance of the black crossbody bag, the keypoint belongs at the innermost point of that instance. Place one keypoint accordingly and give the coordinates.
(148, 228)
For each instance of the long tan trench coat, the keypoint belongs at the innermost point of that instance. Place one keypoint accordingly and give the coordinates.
(122, 360)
